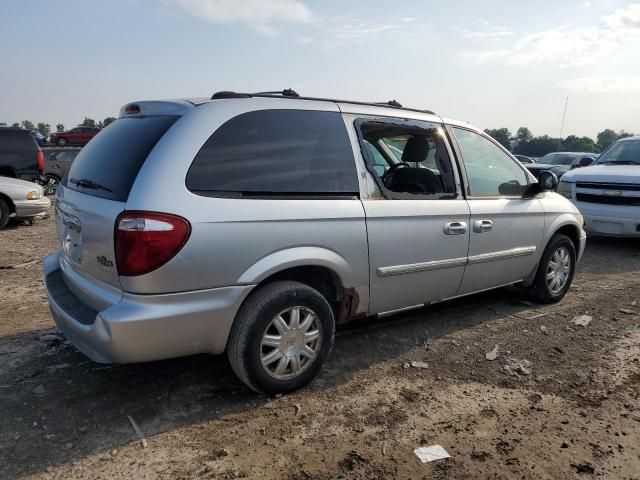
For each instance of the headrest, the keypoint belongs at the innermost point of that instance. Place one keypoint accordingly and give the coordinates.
(416, 149)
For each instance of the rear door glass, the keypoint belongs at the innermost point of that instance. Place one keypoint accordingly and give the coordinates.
(109, 164)
(271, 152)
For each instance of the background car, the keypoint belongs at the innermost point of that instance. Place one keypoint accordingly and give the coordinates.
(56, 163)
(20, 156)
(558, 162)
(525, 159)
(40, 139)
(21, 200)
(75, 136)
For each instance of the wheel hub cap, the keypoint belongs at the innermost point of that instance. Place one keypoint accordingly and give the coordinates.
(558, 270)
(290, 342)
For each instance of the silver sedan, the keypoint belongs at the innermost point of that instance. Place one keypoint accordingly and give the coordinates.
(21, 200)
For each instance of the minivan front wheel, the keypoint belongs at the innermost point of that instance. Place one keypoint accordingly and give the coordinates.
(555, 271)
(281, 337)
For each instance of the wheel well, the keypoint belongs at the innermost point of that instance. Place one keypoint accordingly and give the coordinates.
(12, 207)
(7, 172)
(344, 301)
(573, 233)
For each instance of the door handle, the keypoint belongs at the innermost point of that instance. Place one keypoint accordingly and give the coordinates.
(481, 226)
(455, 228)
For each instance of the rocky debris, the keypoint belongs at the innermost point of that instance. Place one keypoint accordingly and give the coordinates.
(627, 311)
(480, 455)
(515, 367)
(416, 364)
(352, 460)
(583, 468)
(139, 433)
(431, 454)
(39, 390)
(582, 320)
(544, 330)
(492, 355)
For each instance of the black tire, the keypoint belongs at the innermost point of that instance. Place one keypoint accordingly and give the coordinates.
(254, 320)
(4, 213)
(540, 290)
(62, 142)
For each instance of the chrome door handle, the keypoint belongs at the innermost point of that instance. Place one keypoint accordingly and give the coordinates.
(455, 228)
(481, 226)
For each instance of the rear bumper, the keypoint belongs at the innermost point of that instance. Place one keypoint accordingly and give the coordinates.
(32, 208)
(140, 328)
(610, 220)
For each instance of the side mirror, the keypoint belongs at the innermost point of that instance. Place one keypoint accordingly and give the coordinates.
(585, 162)
(548, 181)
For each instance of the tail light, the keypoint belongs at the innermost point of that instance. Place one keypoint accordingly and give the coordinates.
(40, 161)
(144, 241)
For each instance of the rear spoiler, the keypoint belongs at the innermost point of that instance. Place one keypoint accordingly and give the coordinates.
(155, 107)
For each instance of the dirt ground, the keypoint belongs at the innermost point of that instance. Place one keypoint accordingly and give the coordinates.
(559, 401)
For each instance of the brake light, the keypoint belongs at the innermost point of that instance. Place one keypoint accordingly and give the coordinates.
(132, 109)
(144, 241)
(40, 161)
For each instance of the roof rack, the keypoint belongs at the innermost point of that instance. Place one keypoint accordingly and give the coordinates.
(290, 93)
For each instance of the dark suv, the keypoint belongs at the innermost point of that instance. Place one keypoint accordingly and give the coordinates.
(20, 156)
(75, 136)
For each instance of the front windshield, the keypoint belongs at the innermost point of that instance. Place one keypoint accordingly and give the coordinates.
(622, 153)
(557, 159)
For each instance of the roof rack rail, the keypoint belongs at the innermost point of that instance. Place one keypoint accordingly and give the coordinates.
(290, 93)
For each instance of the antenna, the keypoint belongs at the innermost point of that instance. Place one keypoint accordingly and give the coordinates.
(564, 115)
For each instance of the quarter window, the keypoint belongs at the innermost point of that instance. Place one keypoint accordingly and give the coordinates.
(490, 171)
(266, 152)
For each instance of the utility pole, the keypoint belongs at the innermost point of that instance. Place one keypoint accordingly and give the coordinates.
(564, 115)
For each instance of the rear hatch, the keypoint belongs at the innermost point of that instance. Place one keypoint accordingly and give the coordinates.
(94, 192)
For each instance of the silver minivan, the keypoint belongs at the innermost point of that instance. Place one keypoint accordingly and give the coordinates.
(254, 223)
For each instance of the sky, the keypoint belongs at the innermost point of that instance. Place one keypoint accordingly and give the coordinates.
(491, 63)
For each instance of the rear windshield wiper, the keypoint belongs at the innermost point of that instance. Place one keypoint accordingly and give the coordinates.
(86, 183)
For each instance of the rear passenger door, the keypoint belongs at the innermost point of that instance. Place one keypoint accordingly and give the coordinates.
(417, 224)
(506, 229)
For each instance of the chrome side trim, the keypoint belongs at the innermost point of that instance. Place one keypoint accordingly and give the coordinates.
(421, 267)
(502, 255)
(455, 262)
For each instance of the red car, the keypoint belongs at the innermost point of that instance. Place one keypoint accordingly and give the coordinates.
(75, 136)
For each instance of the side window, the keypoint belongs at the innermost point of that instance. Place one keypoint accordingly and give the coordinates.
(270, 152)
(408, 158)
(490, 171)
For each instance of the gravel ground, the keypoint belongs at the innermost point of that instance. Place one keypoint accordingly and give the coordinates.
(559, 401)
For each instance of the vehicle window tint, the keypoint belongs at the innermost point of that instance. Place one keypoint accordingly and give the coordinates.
(114, 157)
(276, 151)
(16, 141)
(408, 159)
(490, 171)
(625, 152)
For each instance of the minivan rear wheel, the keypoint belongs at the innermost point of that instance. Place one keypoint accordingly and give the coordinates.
(555, 271)
(281, 337)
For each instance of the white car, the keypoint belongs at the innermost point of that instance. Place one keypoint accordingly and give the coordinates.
(608, 192)
(21, 200)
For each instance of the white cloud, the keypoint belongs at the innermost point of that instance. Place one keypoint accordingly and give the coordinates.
(569, 45)
(259, 14)
(494, 32)
(585, 4)
(602, 84)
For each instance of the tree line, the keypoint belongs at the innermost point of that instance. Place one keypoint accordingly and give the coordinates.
(44, 129)
(524, 143)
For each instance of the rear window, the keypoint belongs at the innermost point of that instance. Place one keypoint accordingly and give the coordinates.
(109, 164)
(271, 152)
(12, 141)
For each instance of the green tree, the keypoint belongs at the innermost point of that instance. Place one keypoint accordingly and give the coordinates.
(578, 144)
(27, 125)
(524, 134)
(538, 146)
(501, 135)
(107, 121)
(44, 129)
(608, 136)
(59, 127)
(88, 122)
